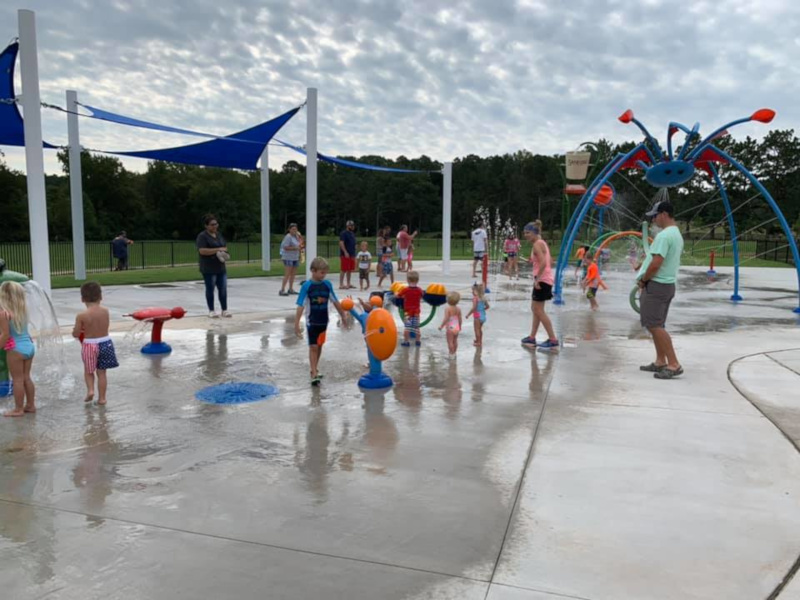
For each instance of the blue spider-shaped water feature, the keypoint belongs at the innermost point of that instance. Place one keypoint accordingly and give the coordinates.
(666, 170)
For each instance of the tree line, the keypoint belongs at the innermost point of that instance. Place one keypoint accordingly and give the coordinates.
(168, 201)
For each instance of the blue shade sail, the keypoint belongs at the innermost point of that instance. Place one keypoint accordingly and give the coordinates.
(237, 151)
(350, 163)
(105, 115)
(12, 129)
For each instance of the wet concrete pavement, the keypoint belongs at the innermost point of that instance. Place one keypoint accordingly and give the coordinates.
(506, 474)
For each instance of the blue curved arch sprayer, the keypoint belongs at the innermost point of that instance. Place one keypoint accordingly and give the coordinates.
(735, 297)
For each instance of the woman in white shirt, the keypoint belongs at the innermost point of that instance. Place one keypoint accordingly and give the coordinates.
(290, 254)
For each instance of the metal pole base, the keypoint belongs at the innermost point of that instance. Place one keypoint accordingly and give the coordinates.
(156, 348)
(375, 382)
(736, 298)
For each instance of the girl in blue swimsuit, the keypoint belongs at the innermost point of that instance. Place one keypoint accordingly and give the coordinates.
(17, 342)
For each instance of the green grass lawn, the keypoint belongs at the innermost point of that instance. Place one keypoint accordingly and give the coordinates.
(140, 276)
(150, 254)
(728, 262)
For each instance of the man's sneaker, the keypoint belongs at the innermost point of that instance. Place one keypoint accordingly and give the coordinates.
(213, 315)
(291, 293)
(316, 380)
(282, 293)
(225, 314)
(549, 345)
(529, 341)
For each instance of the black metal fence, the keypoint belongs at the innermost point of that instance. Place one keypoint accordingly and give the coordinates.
(152, 254)
(775, 249)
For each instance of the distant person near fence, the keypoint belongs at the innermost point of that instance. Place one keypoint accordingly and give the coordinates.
(290, 254)
(480, 245)
(404, 242)
(119, 247)
(213, 254)
(347, 255)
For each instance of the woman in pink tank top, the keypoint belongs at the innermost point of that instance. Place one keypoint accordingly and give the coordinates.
(543, 281)
(542, 273)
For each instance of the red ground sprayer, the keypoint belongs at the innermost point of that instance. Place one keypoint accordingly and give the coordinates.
(157, 316)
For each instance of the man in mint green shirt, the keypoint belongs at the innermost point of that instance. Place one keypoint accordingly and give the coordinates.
(657, 278)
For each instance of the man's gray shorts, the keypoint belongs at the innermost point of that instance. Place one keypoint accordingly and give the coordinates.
(654, 303)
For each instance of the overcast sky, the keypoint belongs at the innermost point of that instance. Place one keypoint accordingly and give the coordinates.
(444, 79)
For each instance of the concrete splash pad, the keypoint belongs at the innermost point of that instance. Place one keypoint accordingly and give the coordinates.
(507, 473)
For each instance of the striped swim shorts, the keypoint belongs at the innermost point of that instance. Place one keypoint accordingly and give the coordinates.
(98, 354)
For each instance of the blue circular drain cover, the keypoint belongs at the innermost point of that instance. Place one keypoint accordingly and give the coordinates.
(236, 393)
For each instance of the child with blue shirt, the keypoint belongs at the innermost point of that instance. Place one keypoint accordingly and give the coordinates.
(313, 301)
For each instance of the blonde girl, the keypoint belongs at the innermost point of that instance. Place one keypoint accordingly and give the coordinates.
(452, 320)
(478, 311)
(17, 342)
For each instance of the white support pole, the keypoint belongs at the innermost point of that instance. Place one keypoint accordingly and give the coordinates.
(34, 158)
(447, 215)
(265, 229)
(76, 187)
(311, 178)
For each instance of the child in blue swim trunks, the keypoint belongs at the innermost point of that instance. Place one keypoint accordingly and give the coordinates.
(17, 342)
(97, 349)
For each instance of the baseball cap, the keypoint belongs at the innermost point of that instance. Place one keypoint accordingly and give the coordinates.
(660, 207)
(350, 223)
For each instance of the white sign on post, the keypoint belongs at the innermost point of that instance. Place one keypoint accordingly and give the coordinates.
(578, 165)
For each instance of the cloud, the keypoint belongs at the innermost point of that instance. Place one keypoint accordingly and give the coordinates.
(438, 78)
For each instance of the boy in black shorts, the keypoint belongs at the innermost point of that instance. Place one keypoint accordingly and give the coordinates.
(313, 301)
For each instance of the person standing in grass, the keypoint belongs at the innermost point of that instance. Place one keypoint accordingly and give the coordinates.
(290, 254)
(347, 255)
(404, 241)
(119, 247)
(213, 253)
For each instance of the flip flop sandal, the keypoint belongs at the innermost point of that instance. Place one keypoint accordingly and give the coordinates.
(652, 368)
(667, 373)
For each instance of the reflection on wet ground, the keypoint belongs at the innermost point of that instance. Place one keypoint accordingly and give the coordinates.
(420, 476)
